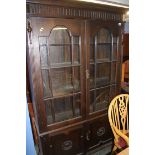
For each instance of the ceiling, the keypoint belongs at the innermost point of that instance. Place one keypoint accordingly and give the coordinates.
(126, 2)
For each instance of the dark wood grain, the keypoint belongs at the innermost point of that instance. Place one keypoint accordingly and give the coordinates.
(89, 130)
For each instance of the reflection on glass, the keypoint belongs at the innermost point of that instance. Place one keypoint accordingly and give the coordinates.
(76, 54)
(60, 55)
(42, 41)
(46, 85)
(48, 107)
(77, 105)
(103, 36)
(114, 51)
(76, 79)
(92, 74)
(43, 51)
(44, 56)
(102, 74)
(63, 108)
(113, 72)
(59, 35)
(91, 97)
(60, 46)
(114, 39)
(103, 52)
(75, 39)
(61, 81)
(112, 92)
(118, 73)
(102, 99)
(92, 53)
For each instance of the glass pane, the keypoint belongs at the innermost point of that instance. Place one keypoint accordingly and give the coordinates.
(102, 74)
(61, 81)
(114, 39)
(102, 99)
(92, 74)
(60, 55)
(75, 39)
(63, 108)
(91, 100)
(118, 73)
(112, 92)
(46, 84)
(114, 51)
(103, 36)
(76, 79)
(76, 54)
(59, 35)
(103, 52)
(77, 99)
(92, 52)
(113, 72)
(48, 106)
(44, 56)
(42, 40)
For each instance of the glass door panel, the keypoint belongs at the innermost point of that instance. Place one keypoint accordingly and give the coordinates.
(92, 100)
(49, 112)
(100, 70)
(102, 99)
(115, 51)
(103, 36)
(59, 36)
(92, 76)
(76, 50)
(112, 91)
(76, 55)
(46, 83)
(60, 55)
(76, 76)
(113, 72)
(43, 55)
(77, 101)
(103, 52)
(102, 74)
(118, 72)
(61, 81)
(92, 53)
(63, 108)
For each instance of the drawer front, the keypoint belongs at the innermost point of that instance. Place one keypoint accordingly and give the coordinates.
(99, 132)
(66, 143)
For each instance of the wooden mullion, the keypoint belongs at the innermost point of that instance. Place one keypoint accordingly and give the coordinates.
(95, 70)
(50, 82)
(111, 58)
(73, 78)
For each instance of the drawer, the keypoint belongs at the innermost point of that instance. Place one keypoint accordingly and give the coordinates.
(99, 132)
(65, 143)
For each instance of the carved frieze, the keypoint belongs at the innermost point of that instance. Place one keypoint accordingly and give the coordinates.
(42, 10)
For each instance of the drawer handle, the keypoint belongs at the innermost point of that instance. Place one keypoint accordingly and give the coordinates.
(51, 146)
(67, 145)
(88, 135)
(101, 131)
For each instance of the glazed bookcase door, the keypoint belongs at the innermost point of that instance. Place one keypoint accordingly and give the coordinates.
(104, 68)
(58, 44)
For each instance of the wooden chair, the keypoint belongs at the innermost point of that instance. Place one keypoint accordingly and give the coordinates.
(119, 120)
